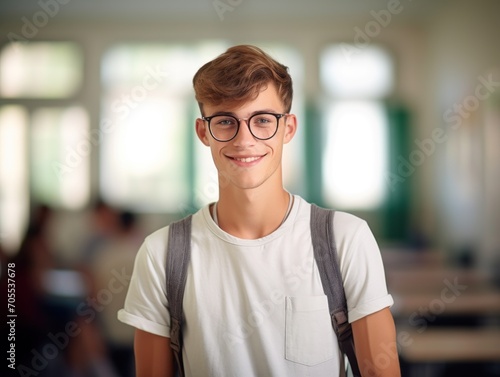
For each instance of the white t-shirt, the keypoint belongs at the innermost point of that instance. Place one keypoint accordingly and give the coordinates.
(257, 307)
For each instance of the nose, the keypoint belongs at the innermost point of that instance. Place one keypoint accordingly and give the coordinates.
(244, 137)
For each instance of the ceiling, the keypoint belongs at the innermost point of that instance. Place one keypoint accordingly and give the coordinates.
(273, 10)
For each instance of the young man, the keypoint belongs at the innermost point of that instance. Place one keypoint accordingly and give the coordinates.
(254, 303)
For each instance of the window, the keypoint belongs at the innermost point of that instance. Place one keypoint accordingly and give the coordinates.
(60, 149)
(354, 160)
(147, 124)
(56, 74)
(355, 127)
(367, 74)
(14, 193)
(43, 144)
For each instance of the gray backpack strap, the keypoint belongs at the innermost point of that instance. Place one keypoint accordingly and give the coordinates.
(178, 255)
(325, 254)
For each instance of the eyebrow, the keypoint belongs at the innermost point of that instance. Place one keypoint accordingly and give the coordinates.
(251, 114)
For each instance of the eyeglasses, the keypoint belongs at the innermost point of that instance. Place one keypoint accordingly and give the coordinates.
(262, 126)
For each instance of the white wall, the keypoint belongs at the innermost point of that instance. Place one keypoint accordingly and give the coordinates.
(463, 177)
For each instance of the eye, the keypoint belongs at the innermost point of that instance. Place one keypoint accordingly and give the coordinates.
(263, 120)
(224, 121)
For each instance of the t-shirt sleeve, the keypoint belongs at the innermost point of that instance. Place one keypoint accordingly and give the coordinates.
(146, 306)
(361, 267)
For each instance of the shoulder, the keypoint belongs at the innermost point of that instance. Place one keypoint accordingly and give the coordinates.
(345, 225)
(354, 234)
(156, 243)
(158, 239)
(349, 225)
(340, 216)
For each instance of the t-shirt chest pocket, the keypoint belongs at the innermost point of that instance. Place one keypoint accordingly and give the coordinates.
(309, 335)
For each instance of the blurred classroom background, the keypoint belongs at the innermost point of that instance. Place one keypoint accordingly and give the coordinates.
(399, 123)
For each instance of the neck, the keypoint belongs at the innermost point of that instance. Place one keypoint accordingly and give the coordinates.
(252, 213)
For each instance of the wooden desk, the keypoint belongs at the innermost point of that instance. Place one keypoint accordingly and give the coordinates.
(432, 278)
(484, 302)
(451, 345)
(400, 258)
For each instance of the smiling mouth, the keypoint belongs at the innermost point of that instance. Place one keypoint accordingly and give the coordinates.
(246, 159)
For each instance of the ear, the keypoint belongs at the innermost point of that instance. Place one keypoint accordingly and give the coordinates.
(202, 131)
(290, 128)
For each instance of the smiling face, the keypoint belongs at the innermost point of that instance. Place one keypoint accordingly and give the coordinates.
(246, 162)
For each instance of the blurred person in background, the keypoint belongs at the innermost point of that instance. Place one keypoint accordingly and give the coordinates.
(112, 267)
(48, 295)
(104, 223)
(32, 260)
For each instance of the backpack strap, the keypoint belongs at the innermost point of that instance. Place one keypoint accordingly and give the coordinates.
(178, 255)
(325, 254)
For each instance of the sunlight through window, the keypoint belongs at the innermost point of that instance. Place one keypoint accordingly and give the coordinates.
(40, 70)
(355, 127)
(355, 159)
(366, 74)
(14, 193)
(60, 163)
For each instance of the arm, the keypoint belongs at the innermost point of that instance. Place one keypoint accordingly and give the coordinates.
(375, 343)
(153, 355)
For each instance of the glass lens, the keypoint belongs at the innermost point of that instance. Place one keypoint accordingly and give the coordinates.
(224, 127)
(263, 126)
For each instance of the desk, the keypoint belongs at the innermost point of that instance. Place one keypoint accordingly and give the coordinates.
(401, 258)
(452, 344)
(432, 351)
(470, 302)
(433, 278)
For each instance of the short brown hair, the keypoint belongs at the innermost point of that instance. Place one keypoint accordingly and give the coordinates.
(238, 75)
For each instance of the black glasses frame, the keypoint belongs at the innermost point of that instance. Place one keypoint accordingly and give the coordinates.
(247, 120)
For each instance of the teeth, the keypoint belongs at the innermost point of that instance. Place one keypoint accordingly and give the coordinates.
(247, 159)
